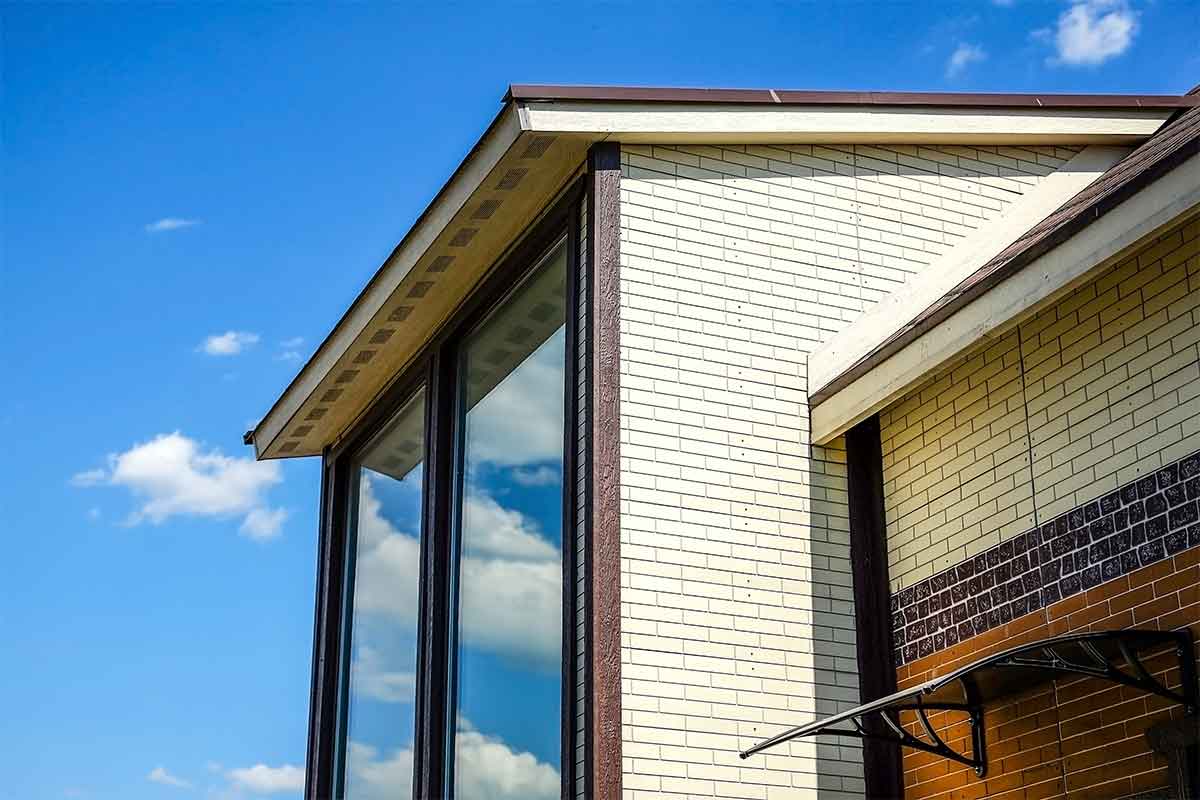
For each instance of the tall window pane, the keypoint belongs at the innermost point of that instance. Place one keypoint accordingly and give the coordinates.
(377, 715)
(507, 664)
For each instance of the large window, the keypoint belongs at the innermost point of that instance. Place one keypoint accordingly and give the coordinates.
(447, 563)
(507, 665)
(377, 726)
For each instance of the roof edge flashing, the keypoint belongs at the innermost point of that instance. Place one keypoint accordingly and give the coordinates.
(538, 93)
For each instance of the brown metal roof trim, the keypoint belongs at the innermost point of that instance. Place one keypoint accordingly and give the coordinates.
(648, 94)
(1176, 142)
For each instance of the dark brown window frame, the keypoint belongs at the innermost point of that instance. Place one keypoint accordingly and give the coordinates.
(435, 369)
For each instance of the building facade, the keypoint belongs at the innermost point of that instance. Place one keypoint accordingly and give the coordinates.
(687, 420)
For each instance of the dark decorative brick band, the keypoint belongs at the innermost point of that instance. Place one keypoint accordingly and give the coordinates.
(1145, 521)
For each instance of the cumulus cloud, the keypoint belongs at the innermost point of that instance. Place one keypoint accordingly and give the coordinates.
(485, 766)
(373, 776)
(510, 583)
(170, 224)
(1091, 32)
(171, 475)
(261, 779)
(963, 56)
(229, 343)
(161, 775)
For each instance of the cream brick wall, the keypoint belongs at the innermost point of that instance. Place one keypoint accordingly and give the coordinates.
(1104, 386)
(737, 613)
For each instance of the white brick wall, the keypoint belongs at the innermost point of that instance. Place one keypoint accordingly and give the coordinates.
(737, 614)
(1111, 379)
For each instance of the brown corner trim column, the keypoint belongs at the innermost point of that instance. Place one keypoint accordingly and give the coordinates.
(603, 498)
(872, 598)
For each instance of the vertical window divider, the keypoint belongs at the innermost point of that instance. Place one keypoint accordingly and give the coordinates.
(433, 689)
(317, 780)
(569, 517)
(349, 478)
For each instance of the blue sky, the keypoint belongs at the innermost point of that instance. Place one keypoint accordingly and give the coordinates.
(193, 194)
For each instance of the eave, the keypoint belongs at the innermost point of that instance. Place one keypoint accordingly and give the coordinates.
(538, 142)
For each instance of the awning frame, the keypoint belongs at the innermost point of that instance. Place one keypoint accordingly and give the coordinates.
(880, 719)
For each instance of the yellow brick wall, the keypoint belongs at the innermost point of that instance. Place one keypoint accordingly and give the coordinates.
(956, 464)
(1093, 391)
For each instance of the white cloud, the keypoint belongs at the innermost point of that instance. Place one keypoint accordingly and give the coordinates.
(372, 777)
(262, 779)
(171, 476)
(486, 766)
(89, 477)
(1091, 32)
(963, 56)
(263, 523)
(520, 422)
(170, 224)
(511, 578)
(371, 678)
(160, 775)
(290, 349)
(229, 343)
(538, 476)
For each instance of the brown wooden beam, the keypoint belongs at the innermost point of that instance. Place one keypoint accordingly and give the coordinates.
(604, 495)
(872, 599)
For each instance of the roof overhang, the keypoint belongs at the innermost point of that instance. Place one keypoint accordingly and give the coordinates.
(880, 357)
(538, 143)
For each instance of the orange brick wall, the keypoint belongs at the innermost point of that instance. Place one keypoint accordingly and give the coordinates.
(1081, 739)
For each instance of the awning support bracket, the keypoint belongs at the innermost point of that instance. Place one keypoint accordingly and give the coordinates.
(1047, 658)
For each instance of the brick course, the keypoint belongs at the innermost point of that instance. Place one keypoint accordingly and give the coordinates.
(1152, 518)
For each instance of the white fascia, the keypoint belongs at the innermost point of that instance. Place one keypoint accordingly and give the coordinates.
(690, 122)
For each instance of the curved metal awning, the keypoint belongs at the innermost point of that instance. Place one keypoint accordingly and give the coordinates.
(1116, 656)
